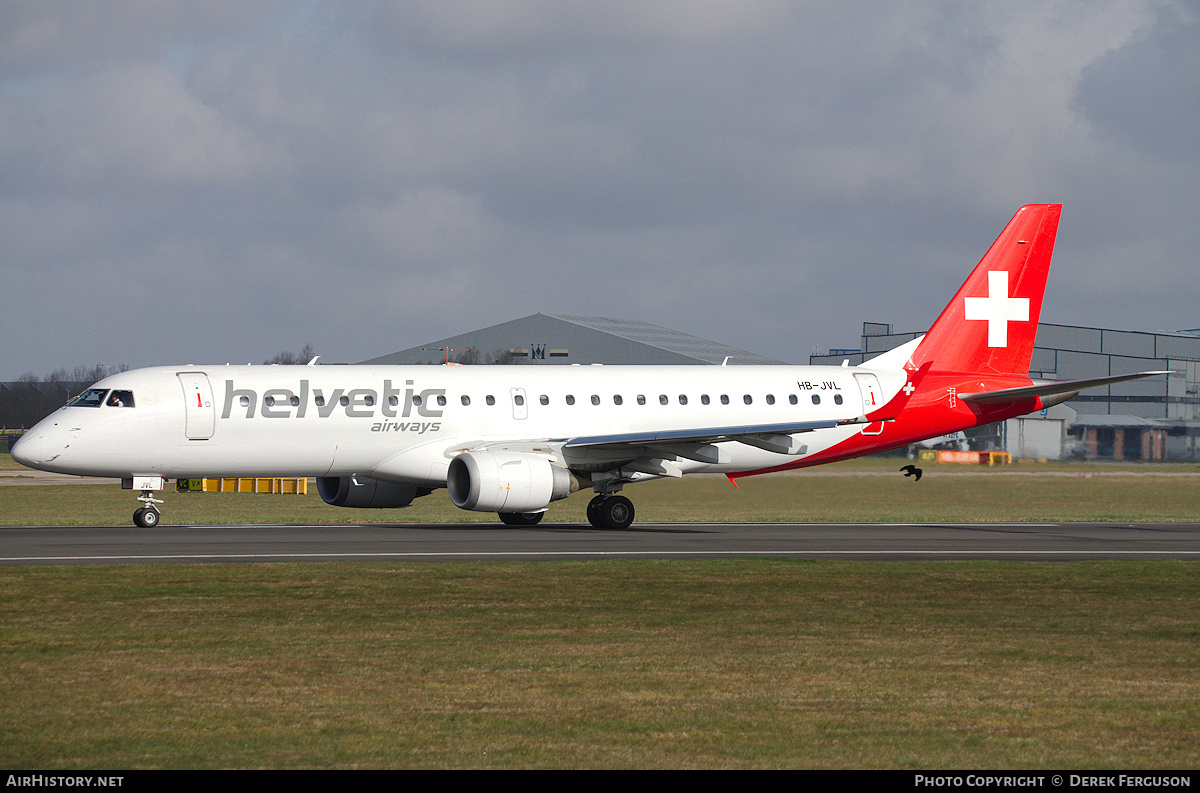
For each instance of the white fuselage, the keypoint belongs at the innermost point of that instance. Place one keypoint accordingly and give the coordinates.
(405, 424)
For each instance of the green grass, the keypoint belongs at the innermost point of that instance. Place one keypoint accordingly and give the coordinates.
(860, 490)
(704, 664)
(7, 463)
(709, 664)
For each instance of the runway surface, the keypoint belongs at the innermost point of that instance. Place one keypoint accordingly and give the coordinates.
(40, 545)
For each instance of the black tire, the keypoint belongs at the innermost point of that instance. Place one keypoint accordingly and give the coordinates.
(593, 512)
(520, 518)
(616, 512)
(146, 518)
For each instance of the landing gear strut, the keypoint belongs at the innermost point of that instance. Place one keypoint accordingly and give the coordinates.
(610, 512)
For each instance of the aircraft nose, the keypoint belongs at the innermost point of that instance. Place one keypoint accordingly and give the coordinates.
(30, 449)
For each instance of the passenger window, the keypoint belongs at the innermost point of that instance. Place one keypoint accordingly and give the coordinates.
(416, 400)
(837, 399)
(320, 401)
(724, 399)
(662, 399)
(641, 399)
(518, 400)
(704, 399)
(441, 400)
(792, 399)
(595, 399)
(466, 400)
(683, 399)
(491, 400)
(295, 401)
(617, 399)
(748, 399)
(816, 399)
(570, 399)
(368, 400)
(545, 400)
(770, 399)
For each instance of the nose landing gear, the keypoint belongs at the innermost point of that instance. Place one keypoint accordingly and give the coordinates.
(148, 516)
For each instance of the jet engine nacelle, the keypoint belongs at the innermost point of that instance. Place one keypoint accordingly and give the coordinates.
(361, 491)
(506, 482)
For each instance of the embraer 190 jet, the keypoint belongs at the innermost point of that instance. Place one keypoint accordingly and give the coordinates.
(513, 439)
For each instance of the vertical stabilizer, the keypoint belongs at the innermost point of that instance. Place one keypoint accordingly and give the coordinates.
(990, 325)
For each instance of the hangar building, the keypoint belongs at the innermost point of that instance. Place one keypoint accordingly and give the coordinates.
(548, 339)
(1150, 419)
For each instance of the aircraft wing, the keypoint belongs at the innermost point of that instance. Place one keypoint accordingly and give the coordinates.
(1051, 388)
(698, 443)
(703, 435)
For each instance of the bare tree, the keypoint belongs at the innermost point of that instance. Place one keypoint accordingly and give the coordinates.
(504, 357)
(288, 358)
(30, 397)
(473, 357)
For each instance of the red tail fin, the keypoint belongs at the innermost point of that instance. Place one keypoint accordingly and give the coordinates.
(989, 326)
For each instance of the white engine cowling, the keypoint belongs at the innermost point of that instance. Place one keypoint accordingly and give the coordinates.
(366, 493)
(505, 482)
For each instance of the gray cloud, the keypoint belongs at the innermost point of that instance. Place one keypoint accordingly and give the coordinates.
(221, 181)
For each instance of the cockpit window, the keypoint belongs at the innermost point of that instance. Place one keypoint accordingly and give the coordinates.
(92, 398)
(120, 399)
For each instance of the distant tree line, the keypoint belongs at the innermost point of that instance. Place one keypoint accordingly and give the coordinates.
(288, 358)
(474, 357)
(30, 398)
(468, 357)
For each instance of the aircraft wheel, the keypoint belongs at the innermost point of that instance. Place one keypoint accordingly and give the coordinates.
(593, 512)
(146, 518)
(616, 512)
(520, 518)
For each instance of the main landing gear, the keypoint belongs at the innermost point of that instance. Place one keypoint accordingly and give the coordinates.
(520, 518)
(607, 511)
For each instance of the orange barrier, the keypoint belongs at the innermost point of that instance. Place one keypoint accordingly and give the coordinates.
(975, 458)
(278, 484)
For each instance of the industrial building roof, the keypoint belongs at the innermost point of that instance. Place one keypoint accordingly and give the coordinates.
(572, 338)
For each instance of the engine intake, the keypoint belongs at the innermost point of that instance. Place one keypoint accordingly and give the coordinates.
(506, 482)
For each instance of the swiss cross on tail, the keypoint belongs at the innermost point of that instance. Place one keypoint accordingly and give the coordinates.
(988, 328)
(998, 309)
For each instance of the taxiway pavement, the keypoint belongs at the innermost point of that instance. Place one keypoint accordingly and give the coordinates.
(40, 545)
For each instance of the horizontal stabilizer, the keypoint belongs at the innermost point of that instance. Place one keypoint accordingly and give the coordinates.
(1045, 388)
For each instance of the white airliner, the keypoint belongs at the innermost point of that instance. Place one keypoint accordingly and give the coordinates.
(512, 439)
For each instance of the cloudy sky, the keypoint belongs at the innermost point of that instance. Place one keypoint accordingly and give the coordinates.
(218, 181)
